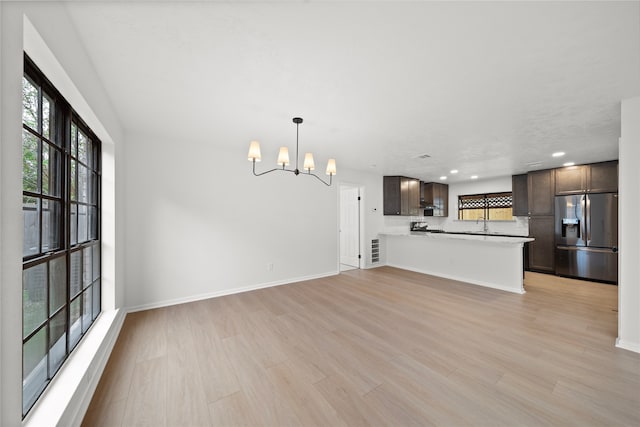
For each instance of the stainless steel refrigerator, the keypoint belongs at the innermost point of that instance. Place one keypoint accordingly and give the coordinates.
(586, 234)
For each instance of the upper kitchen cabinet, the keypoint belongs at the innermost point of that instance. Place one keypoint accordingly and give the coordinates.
(593, 178)
(603, 177)
(540, 192)
(519, 191)
(571, 179)
(435, 199)
(401, 195)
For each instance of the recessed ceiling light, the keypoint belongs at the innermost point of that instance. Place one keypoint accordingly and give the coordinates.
(568, 164)
(474, 176)
(454, 171)
(558, 154)
(443, 177)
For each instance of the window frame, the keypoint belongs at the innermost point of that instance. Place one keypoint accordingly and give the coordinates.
(58, 319)
(486, 200)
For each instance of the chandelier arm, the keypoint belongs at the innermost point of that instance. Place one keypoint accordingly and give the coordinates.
(320, 179)
(270, 170)
(265, 172)
(261, 173)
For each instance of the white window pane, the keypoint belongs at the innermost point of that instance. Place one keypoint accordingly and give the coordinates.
(34, 298)
(34, 368)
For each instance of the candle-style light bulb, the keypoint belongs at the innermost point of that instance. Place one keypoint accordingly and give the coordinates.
(283, 156)
(309, 165)
(254, 151)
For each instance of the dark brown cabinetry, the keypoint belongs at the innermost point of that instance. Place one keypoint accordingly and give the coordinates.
(603, 177)
(435, 198)
(571, 180)
(401, 195)
(541, 250)
(542, 187)
(593, 178)
(540, 192)
(520, 206)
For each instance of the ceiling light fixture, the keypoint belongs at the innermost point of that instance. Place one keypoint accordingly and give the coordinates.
(568, 164)
(558, 154)
(443, 177)
(283, 160)
(474, 176)
(454, 171)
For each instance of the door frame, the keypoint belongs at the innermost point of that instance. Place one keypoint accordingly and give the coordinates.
(361, 246)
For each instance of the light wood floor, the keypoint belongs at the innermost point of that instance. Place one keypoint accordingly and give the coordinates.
(376, 347)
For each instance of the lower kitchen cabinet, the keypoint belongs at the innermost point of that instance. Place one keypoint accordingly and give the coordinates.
(542, 250)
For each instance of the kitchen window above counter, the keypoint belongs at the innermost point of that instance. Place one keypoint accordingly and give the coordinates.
(487, 207)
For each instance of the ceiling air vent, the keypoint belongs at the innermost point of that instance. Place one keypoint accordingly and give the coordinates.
(423, 156)
(534, 165)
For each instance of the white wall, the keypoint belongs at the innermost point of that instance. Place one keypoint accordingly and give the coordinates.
(58, 52)
(629, 206)
(11, 215)
(519, 226)
(2, 224)
(200, 224)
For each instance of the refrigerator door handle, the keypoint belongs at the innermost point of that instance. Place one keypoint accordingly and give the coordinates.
(582, 248)
(587, 215)
(583, 219)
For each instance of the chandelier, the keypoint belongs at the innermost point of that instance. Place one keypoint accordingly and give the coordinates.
(283, 160)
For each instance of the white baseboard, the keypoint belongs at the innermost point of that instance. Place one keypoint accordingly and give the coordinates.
(461, 279)
(372, 266)
(66, 399)
(631, 346)
(224, 292)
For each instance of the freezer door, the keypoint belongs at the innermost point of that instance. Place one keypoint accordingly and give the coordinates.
(602, 220)
(570, 227)
(587, 263)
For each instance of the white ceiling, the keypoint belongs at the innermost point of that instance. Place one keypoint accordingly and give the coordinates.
(486, 88)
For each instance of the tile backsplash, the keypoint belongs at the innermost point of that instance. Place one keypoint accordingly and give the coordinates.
(519, 226)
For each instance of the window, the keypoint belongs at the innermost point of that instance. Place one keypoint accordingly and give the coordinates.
(492, 206)
(61, 243)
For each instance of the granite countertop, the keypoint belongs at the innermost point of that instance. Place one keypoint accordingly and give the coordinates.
(488, 237)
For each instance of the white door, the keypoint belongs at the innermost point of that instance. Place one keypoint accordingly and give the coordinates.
(349, 226)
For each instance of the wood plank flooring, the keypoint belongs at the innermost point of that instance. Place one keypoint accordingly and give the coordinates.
(376, 347)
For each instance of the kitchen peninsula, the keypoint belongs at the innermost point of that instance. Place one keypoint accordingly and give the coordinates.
(493, 261)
